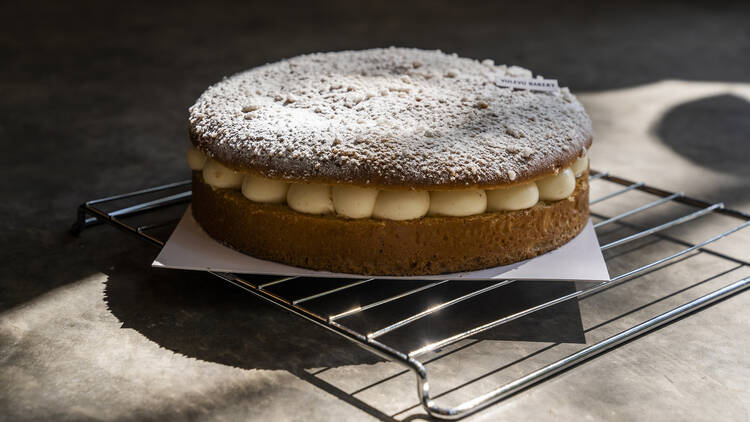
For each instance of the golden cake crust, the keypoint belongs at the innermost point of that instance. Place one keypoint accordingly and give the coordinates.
(428, 245)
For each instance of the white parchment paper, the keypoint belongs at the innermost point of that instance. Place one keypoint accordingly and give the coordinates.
(190, 248)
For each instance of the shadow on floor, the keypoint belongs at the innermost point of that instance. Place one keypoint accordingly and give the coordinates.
(200, 316)
(710, 132)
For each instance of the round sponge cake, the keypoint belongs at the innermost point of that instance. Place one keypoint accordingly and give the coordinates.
(386, 120)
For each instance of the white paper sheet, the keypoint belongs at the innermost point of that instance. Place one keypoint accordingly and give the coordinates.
(190, 248)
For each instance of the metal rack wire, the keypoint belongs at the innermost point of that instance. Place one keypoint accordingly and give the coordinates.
(158, 198)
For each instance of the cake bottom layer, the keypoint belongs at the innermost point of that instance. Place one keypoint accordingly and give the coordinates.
(428, 245)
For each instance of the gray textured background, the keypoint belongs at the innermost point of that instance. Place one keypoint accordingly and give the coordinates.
(93, 101)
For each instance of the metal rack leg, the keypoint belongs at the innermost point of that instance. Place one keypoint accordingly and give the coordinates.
(498, 394)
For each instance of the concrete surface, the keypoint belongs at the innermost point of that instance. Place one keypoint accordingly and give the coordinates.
(93, 101)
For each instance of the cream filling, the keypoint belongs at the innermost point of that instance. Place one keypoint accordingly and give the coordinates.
(354, 201)
(580, 165)
(221, 177)
(556, 187)
(458, 203)
(513, 198)
(196, 159)
(401, 204)
(260, 189)
(312, 198)
(359, 202)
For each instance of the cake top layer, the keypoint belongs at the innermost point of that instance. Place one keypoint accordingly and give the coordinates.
(389, 118)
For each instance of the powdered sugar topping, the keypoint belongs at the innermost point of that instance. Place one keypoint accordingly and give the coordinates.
(388, 117)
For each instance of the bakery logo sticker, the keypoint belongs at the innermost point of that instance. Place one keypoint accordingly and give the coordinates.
(527, 83)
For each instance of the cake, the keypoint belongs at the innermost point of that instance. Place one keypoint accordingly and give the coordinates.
(388, 162)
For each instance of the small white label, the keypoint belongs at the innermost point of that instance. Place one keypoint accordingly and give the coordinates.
(527, 83)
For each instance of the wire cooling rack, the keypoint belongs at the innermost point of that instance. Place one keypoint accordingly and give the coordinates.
(629, 219)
